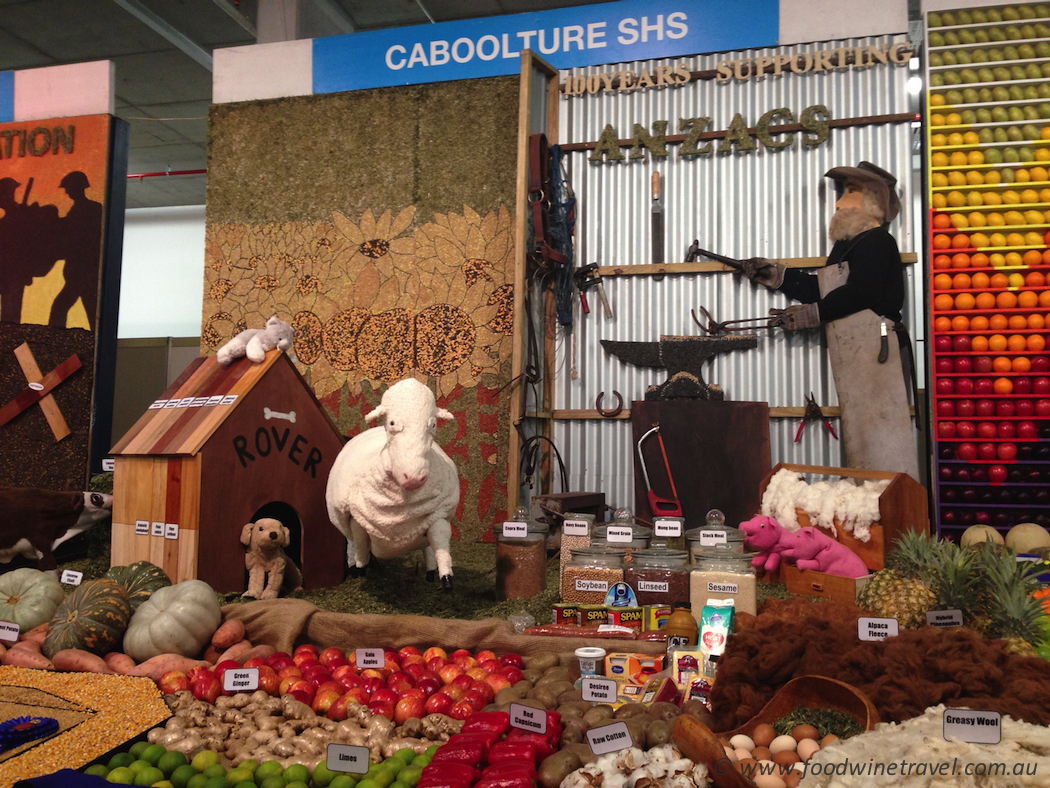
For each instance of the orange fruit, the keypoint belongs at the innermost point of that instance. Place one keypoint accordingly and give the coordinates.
(979, 260)
(964, 301)
(942, 261)
(942, 221)
(997, 323)
(961, 260)
(961, 241)
(943, 302)
(1013, 259)
(1035, 279)
(997, 343)
(985, 301)
(1036, 321)
(1032, 257)
(1035, 341)
(1044, 298)
(1018, 322)
(979, 344)
(1026, 299)
(1006, 300)
(999, 280)
(960, 323)
(1001, 364)
(1003, 386)
(1016, 343)
(942, 324)
(942, 242)
(1046, 255)
(980, 323)
(979, 281)
(961, 281)
(942, 282)
(1020, 364)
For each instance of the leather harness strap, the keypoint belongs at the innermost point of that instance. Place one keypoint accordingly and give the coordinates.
(544, 256)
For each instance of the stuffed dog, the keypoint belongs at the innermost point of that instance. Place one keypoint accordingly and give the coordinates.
(264, 557)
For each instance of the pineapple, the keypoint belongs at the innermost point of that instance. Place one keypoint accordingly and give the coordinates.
(956, 582)
(903, 589)
(1015, 615)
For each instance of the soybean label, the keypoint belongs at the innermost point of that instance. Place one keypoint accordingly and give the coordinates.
(347, 758)
(9, 631)
(619, 535)
(528, 719)
(711, 538)
(944, 618)
(596, 690)
(369, 658)
(515, 530)
(574, 528)
(876, 628)
(592, 585)
(71, 578)
(671, 528)
(609, 738)
(973, 727)
(241, 680)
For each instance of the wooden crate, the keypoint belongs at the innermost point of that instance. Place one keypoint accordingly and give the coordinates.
(902, 507)
(811, 583)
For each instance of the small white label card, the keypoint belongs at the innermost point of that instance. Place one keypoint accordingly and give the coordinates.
(171, 530)
(171, 404)
(944, 618)
(108, 464)
(528, 718)
(670, 528)
(36, 386)
(157, 404)
(9, 631)
(142, 528)
(603, 628)
(185, 402)
(215, 400)
(712, 538)
(583, 584)
(199, 402)
(599, 690)
(876, 628)
(723, 588)
(241, 680)
(574, 528)
(974, 727)
(156, 529)
(229, 399)
(347, 758)
(513, 530)
(610, 738)
(653, 585)
(369, 658)
(620, 534)
(71, 578)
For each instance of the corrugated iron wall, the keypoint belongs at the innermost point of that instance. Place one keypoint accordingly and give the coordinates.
(773, 203)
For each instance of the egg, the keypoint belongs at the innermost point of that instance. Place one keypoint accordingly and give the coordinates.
(784, 742)
(786, 758)
(793, 779)
(746, 767)
(741, 753)
(828, 740)
(761, 754)
(767, 775)
(742, 742)
(730, 753)
(800, 732)
(763, 734)
(806, 748)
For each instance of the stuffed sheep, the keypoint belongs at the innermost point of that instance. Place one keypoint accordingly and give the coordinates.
(256, 342)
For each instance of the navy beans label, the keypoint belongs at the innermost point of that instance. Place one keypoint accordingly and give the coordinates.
(528, 719)
(71, 578)
(347, 758)
(712, 538)
(9, 631)
(670, 528)
(241, 680)
(369, 658)
(156, 529)
(619, 535)
(651, 585)
(723, 588)
(596, 690)
(592, 585)
(974, 727)
(876, 628)
(142, 528)
(171, 530)
(515, 530)
(574, 528)
(944, 618)
(609, 738)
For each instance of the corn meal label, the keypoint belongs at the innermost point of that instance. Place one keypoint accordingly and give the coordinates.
(592, 585)
(610, 738)
(723, 588)
(671, 528)
(574, 528)
(241, 680)
(347, 758)
(876, 628)
(527, 718)
(973, 727)
(619, 535)
(653, 585)
(944, 618)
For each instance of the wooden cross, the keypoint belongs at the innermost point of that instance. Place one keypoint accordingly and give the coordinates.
(39, 390)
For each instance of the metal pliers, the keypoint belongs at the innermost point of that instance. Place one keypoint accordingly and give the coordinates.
(813, 413)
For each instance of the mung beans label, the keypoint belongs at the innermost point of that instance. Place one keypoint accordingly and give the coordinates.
(876, 628)
(71, 578)
(712, 538)
(241, 680)
(369, 658)
(347, 758)
(622, 534)
(596, 690)
(512, 530)
(591, 585)
(610, 738)
(944, 618)
(574, 528)
(973, 727)
(528, 719)
(671, 528)
(9, 631)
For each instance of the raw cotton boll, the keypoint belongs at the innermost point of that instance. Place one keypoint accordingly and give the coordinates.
(784, 742)
(742, 742)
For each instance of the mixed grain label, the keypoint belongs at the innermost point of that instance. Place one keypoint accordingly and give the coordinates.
(619, 535)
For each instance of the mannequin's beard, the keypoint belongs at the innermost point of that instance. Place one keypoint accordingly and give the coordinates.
(850, 222)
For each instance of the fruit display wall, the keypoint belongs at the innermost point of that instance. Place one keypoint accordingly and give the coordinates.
(988, 179)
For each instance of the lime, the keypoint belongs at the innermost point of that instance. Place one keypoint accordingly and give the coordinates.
(410, 776)
(245, 784)
(406, 754)
(163, 784)
(217, 782)
(148, 776)
(215, 770)
(433, 748)
(251, 765)
(182, 774)
(343, 781)
(204, 759)
(97, 770)
(273, 781)
(139, 765)
(297, 784)
(121, 759)
(197, 781)
(394, 764)
(122, 775)
(239, 775)
(323, 776)
(268, 769)
(137, 748)
(152, 754)
(297, 773)
(368, 782)
(399, 784)
(421, 761)
(170, 761)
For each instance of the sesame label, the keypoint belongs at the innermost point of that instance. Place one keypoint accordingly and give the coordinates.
(723, 588)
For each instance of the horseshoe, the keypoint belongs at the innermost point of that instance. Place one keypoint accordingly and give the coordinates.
(609, 414)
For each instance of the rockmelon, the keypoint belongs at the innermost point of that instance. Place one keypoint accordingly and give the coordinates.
(976, 534)
(1028, 538)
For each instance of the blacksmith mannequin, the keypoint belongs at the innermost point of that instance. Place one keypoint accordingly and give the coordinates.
(858, 296)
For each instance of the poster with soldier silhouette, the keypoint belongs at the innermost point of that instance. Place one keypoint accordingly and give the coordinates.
(61, 220)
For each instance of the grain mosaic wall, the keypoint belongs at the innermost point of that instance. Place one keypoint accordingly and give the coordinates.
(377, 223)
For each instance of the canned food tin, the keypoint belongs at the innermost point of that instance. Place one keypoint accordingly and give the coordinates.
(565, 614)
(655, 616)
(626, 617)
(593, 615)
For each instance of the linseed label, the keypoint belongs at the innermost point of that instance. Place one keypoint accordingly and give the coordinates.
(592, 585)
(650, 585)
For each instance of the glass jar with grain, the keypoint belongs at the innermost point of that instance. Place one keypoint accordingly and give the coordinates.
(705, 539)
(575, 534)
(724, 574)
(589, 575)
(622, 535)
(658, 576)
(521, 559)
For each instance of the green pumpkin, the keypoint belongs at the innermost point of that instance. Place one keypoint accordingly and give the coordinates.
(140, 580)
(29, 597)
(93, 618)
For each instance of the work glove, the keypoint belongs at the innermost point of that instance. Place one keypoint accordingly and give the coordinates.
(796, 317)
(764, 272)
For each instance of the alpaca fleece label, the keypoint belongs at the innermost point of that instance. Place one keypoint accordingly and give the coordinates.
(877, 628)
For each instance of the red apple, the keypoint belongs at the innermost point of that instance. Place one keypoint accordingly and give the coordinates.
(350, 682)
(983, 387)
(484, 689)
(306, 647)
(1040, 386)
(323, 700)
(965, 430)
(436, 663)
(963, 385)
(384, 695)
(173, 681)
(985, 430)
(400, 681)
(304, 658)
(407, 708)
(945, 386)
(454, 691)
(961, 343)
(302, 697)
(946, 430)
(282, 658)
(1042, 407)
(338, 710)
(465, 661)
(431, 675)
(382, 708)
(358, 695)
(206, 688)
(289, 672)
(413, 692)
(1027, 431)
(475, 699)
(392, 659)
(460, 652)
(415, 670)
(982, 364)
(303, 686)
(477, 673)
(313, 671)
(1005, 429)
(449, 672)
(413, 659)
(1024, 386)
(944, 365)
(434, 652)
(326, 656)
(268, 681)
(254, 662)
(344, 670)
(1007, 452)
(376, 673)
(513, 674)
(335, 686)
(498, 682)
(438, 703)
(464, 680)
(1004, 407)
(490, 666)
(964, 408)
(407, 650)
(428, 686)
(201, 670)
(1024, 408)
(986, 451)
(338, 662)
(945, 409)
(512, 660)
(460, 710)
(284, 686)
(371, 683)
(965, 451)
(308, 662)
(997, 474)
(942, 343)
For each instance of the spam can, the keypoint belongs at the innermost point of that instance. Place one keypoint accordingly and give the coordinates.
(626, 617)
(565, 614)
(593, 615)
(655, 617)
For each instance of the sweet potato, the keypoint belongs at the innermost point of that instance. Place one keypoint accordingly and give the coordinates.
(230, 633)
(3, 650)
(23, 655)
(80, 661)
(161, 664)
(120, 663)
(261, 650)
(36, 634)
(211, 654)
(235, 652)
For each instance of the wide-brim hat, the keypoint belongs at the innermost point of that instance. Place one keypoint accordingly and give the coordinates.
(882, 184)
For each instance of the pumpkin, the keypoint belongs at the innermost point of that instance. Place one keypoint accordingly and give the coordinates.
(29, 597)
(140, 580)
(93, 618)
(178, 619)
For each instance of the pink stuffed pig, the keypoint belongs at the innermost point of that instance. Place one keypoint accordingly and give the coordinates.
(763, 535)
(811, 548)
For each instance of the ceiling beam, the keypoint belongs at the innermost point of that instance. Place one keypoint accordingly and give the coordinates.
(176, 37)
(237, 17)
(335, 14)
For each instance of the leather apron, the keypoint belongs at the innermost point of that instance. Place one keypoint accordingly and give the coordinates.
(877, 431)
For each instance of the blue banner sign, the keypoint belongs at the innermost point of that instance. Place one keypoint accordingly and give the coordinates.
(566, 38)
(7, 96)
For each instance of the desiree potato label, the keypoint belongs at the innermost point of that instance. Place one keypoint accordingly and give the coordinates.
(347, 758)
(513, 530)
(527, 718)
(574, 528)
(9, 631)
(876, 628)
(973, 727)
(241, 680)
(598, 690)
(944, 618)
(609, 738)
(369, 658)
(671, 528)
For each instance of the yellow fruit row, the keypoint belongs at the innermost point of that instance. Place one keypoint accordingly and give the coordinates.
(956, 139)
(989, 178)
(981, 240)
(977, 219)
(974, 199)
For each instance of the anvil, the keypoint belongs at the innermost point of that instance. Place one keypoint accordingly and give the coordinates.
(683, 358)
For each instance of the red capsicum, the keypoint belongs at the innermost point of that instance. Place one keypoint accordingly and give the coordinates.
(543, 742)
(470, 753)
(447, 775)
(485, 738)
(512, 751)
(497, 721)
(505, 781)
(527, 768)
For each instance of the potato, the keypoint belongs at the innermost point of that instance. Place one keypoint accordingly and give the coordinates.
(599, 715)
(573, 731)
(560, 688)
(582, 751)
(576, 708)
(531, 675)
(532, 703)
(663, 711)
(658, 734)
(629, 710)
(523, 687)
(508, 695)
(557, 767)
(544, 696)
(555, 674)
(569, 711)
(572, 696)
(540, 661)
(638, 725)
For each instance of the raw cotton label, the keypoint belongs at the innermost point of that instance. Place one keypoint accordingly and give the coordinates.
(609, 738)
(347, 758)
(596, 690)
(723, 588)
(876, 628)
(171, 530)
(574, 528)
(515, 530)
(592, 585)
(369, 658)
(241, 680)
(974, 727)
(712, 538)
(9, 631)
(619, 535)
(671, 528)
(944, 618)
(156, 529)
(71, 578)
(528, 718)
(652, 585)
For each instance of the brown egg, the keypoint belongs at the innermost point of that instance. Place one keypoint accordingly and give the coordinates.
(786, 758)
(800, 732)
(830, 739)
(723, 742)
(792, 779)
(746, 767)
(763, 734)
(761, 754)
